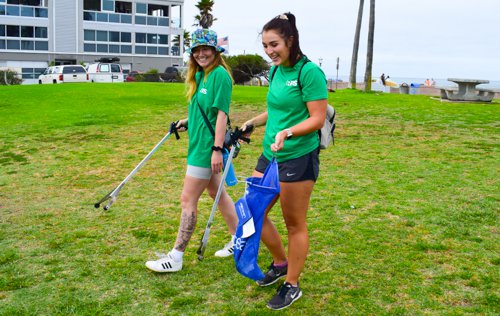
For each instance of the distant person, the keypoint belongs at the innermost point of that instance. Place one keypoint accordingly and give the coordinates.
(433, 82)
(292, 120)
(427, 82)
(382, 79)
(209, 88)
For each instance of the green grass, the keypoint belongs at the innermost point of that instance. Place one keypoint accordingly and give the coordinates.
(403, 220)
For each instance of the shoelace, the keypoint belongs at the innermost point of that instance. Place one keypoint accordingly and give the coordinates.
(284, 289)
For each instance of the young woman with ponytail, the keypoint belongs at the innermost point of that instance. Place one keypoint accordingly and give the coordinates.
(296, 109)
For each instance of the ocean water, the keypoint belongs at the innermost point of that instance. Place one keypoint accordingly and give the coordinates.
(399, 80)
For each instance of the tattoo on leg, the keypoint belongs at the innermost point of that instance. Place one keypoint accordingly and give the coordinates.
(186, 229)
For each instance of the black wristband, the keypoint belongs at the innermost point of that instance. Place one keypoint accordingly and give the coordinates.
(216, 148)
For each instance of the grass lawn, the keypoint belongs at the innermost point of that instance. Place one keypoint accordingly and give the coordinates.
(404, 219)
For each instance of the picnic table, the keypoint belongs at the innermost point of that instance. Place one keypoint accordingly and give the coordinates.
(467, 91)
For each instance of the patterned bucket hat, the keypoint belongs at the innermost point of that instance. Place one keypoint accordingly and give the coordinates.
(204, 37)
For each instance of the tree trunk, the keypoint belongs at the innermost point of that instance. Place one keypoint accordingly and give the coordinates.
(369, 49)
(355, 48)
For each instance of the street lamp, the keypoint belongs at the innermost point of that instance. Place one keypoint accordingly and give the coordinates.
(320, 61)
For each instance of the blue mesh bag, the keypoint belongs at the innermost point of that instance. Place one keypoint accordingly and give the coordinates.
(250, 209)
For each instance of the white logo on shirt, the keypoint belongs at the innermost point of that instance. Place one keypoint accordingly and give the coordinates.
(203, 90)
(291, 83)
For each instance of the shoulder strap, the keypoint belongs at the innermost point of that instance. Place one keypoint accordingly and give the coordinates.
(300, 72)
(205, 118)
(274, 72)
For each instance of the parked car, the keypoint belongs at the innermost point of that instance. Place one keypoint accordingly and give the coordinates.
(105, 72)
(64, 74)
(131, 76)
(173, 74)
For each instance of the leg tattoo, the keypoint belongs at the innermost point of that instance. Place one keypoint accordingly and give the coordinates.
(186, 229)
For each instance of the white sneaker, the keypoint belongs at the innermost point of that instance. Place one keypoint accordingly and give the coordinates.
(165, 264)
(226, 251)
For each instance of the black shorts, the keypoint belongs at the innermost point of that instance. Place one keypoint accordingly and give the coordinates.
(294, 170)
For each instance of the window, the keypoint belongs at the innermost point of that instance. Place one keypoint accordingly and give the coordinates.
(126, 37)
(126, 49)
(41, 32)
(27, 11)
(102, 48)
(152, 50)
(157, 10)
(41, 45)
(92, 5)
(2, 44)
(152, 20)
(102, 17)
(89, 16)
(114, 36)
(2, 30)
(73, 69)
(13, 31)
(141, 8)
(115, 68)
(41, 13)
(114, 49)
(140, 49)
(114, 18)
(2, 10)
(89, 47)
(108, 5)
(123, 7)
(89, 35)
(152, 38)
(126, 19)
(140, 20)
(11, 44)
(140, 37)
(27, 45)
(12, 10)
(163, 39)
(104, 68)
(102, 36)
(162, 50)
(27, 31)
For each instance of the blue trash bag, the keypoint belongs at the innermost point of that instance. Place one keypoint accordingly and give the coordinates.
(260, 192)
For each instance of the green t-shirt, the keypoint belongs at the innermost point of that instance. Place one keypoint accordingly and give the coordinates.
(213, 94)
(286, 107)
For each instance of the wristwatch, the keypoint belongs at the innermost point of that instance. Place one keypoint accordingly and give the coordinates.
(216, 148)
(289, 133)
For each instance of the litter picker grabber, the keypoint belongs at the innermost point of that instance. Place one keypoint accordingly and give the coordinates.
(113, 195)
(231, 141)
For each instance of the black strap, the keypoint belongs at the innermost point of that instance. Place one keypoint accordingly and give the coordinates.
(205, 118)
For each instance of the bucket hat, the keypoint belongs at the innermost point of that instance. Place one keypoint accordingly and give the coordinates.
(204, 37)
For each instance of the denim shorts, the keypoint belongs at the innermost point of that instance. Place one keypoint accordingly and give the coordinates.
(294, 170)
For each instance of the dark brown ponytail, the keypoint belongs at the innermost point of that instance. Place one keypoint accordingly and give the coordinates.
(285, 25)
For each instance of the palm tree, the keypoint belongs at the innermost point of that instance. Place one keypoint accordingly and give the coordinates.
(186, 39)
(369, 49)
(205, 19)
(355, 48)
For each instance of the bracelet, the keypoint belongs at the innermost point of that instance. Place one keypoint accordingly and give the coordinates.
(216, 148)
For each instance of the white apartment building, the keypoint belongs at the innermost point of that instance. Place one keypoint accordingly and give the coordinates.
(36, 33)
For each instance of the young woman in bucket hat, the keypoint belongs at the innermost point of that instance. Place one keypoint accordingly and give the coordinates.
(296, 109)
(209, 86)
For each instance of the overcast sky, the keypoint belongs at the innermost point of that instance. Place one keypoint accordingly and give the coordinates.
(421, 39)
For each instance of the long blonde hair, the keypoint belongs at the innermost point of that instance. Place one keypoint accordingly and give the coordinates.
(193, 68)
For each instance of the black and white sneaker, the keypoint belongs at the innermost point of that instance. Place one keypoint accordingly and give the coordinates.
(166, 263)
(285, 296)
(272, 275)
